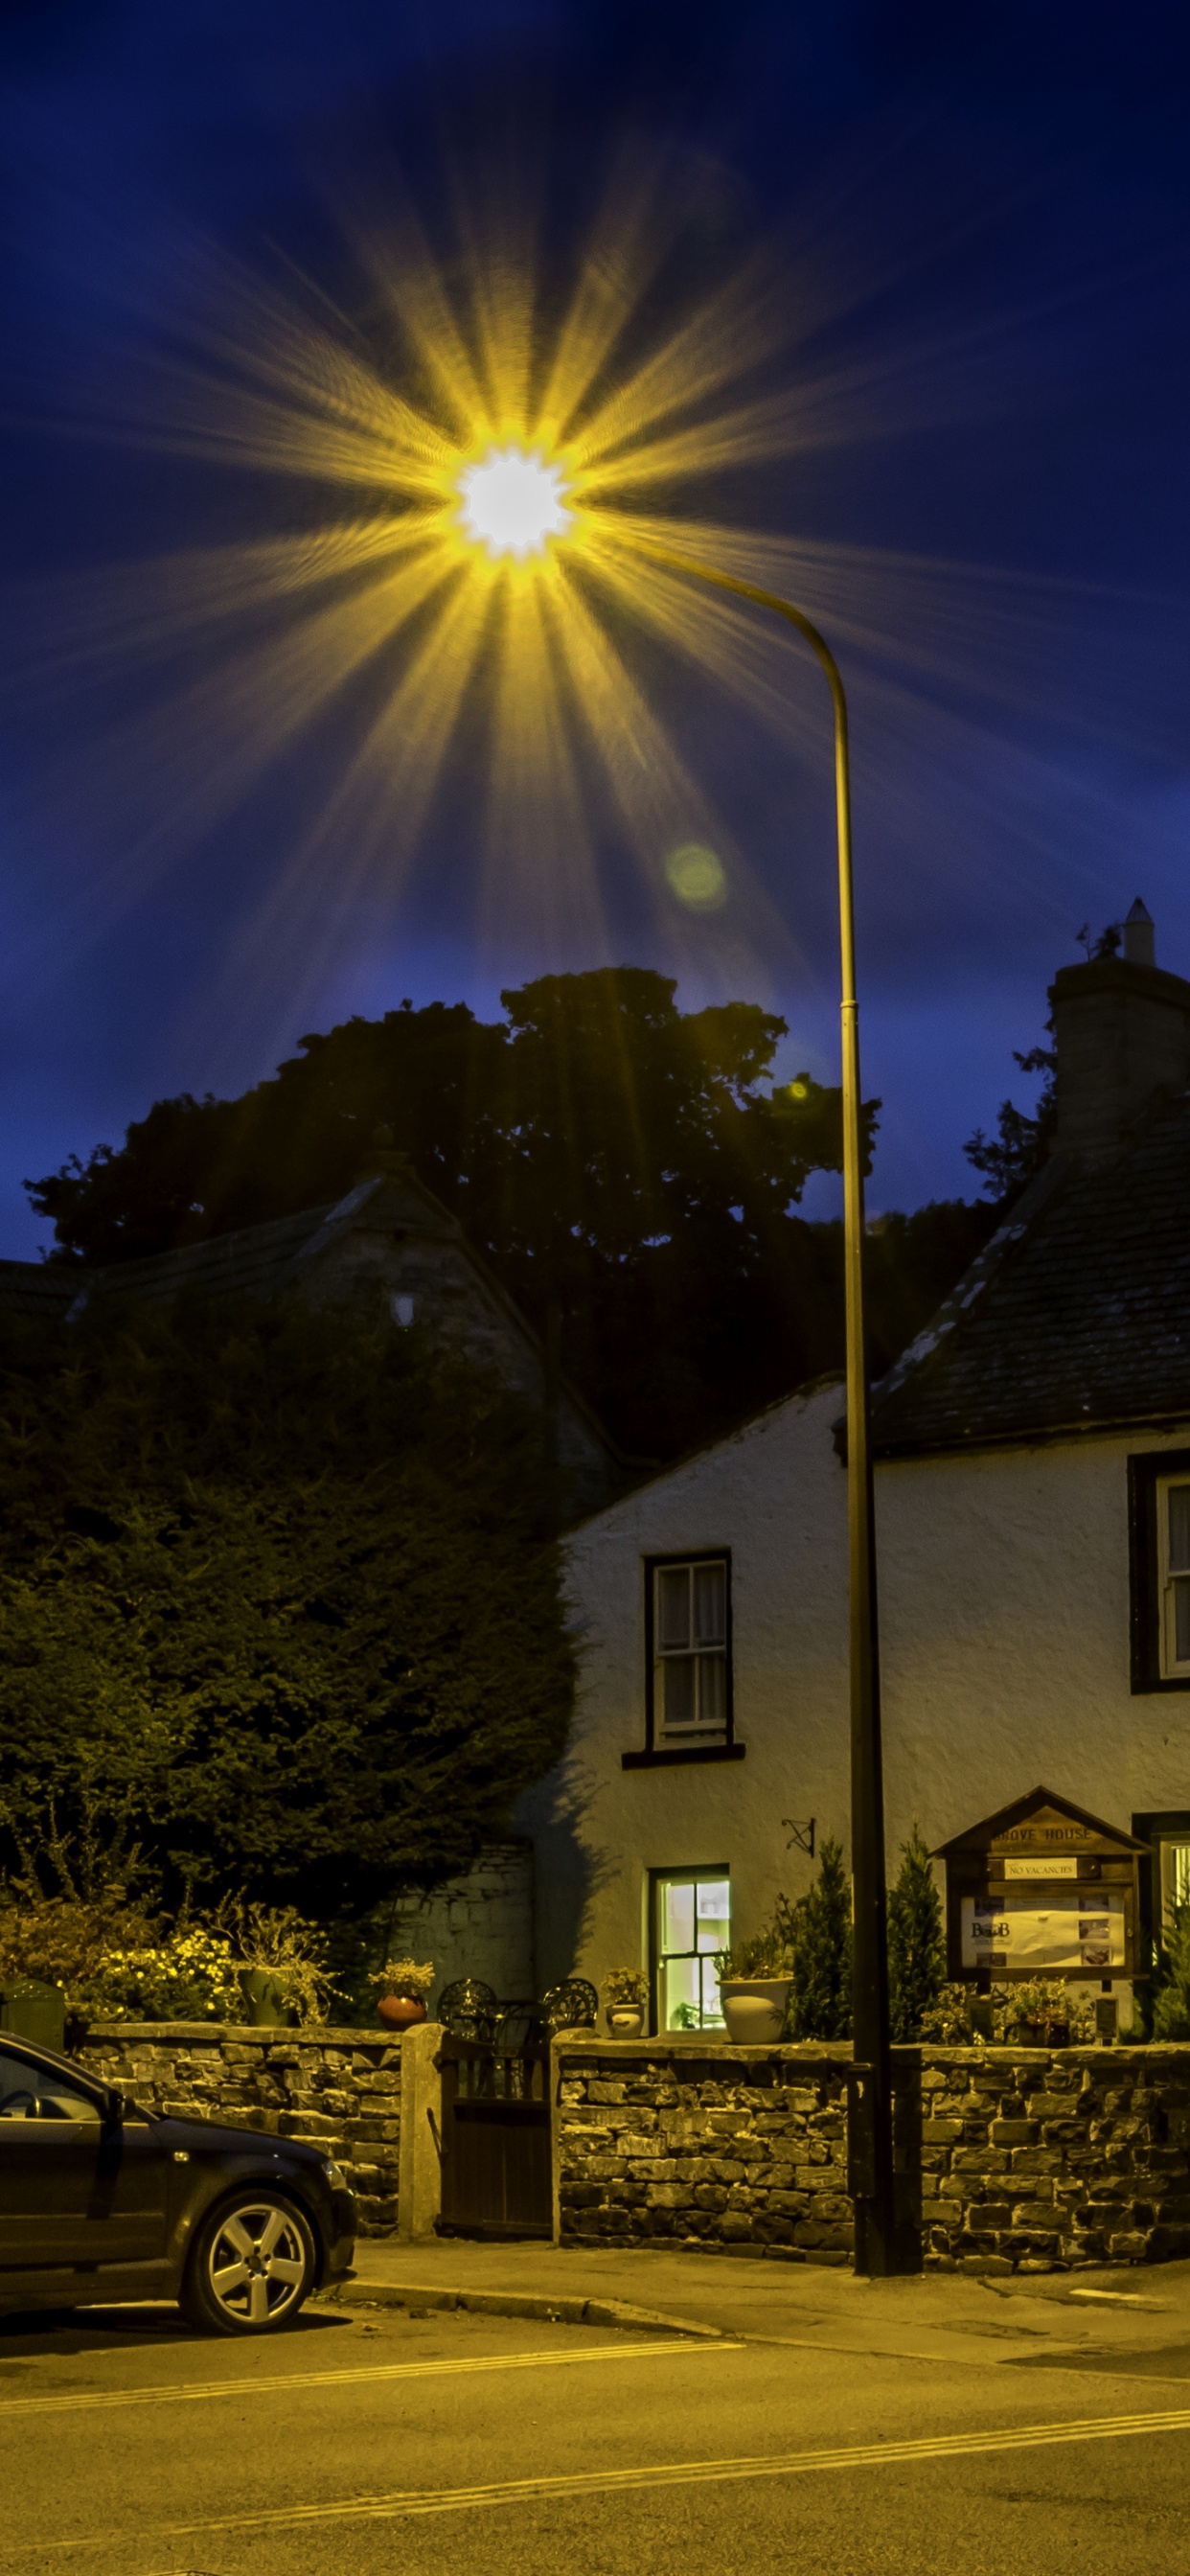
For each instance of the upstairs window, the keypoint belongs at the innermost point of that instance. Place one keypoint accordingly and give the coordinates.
(690, 1652)
(689, 1696)
(1159, 1540)
(1173, 1538)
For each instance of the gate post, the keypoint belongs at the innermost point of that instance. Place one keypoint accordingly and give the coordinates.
(419, 2179)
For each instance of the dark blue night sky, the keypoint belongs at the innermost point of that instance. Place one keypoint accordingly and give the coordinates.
(993, 210)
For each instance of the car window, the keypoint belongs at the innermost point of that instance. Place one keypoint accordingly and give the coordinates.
(29, 2092)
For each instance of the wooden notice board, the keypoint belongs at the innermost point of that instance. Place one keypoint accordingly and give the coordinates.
(1041, 1889)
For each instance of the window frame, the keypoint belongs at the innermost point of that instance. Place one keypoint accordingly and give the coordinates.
(1148, 1470)
(1158, 1827)
(695, 1873)
(724, 1748)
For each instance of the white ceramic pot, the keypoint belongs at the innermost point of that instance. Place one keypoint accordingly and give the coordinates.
(625, 2021)
(754, 2008)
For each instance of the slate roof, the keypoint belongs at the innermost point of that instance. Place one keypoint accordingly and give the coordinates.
(1076, 1316)
(38, 1288)
(263, 1260)
(257, 1261)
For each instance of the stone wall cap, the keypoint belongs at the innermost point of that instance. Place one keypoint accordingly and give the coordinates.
(839, 2052)
(802, 2052)
(268, 2034)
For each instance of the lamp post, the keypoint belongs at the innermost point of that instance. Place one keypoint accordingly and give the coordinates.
(876, 2248)
(511, 504)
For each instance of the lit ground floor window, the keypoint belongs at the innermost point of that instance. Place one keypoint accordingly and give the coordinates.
(692, 1920)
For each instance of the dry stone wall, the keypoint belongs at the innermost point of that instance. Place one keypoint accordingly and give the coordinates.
(1031, 2160)
(1036, 2159)
(735, 2150)
(338, 2089)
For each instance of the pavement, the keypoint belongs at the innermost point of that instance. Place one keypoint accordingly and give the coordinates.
(1137, 2320)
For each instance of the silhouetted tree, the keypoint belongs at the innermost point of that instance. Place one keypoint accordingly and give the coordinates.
(275, 1595)
(631, 1172)
(625, 1166)
(1009, 1159)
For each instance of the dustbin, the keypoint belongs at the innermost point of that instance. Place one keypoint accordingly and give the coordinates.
(30, 2009)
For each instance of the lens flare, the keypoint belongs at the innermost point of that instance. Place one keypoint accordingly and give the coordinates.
(512, 502)
(698, 876)
(452, 598)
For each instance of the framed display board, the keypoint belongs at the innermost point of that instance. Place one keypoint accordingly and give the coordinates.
(1041, 1889)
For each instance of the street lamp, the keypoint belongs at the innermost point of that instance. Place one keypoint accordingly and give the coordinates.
(514, 503)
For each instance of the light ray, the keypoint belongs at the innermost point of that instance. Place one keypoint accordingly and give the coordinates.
(409, 624)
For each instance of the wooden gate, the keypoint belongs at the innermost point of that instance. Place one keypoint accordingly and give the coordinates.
(496, 2168)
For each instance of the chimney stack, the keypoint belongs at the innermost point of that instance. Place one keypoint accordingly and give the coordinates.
(1122, 1035)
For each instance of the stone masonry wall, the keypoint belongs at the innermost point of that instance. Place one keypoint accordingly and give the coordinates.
(1036, 2160)
(722, 2149)
(337, 2089)
(1031, 2160)
(477, 1926)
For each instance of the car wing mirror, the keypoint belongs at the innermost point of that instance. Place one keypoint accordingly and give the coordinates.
(113, 2107)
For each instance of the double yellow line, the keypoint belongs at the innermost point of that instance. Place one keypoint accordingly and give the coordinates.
(185, 2391)
(405, 2503)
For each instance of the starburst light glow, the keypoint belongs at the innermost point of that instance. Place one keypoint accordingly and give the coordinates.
(453, 600)
(512, 502)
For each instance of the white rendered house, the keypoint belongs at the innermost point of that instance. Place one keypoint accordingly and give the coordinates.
(1033, 1530)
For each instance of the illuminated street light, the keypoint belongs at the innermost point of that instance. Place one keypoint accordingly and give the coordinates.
(504, 471)
(511, 503)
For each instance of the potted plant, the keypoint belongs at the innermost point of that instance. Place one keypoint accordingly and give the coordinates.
(960, 2018)
(1038, 2013)
(281, 1964)
(403, 1986)
(754, 1981)
(625, 1995)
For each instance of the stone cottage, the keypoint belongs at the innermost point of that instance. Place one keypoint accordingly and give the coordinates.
(389, 1238)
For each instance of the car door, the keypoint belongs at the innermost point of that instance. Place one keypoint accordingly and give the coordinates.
(79, 2193)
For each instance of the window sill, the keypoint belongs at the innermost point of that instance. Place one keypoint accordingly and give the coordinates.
(665, 1756)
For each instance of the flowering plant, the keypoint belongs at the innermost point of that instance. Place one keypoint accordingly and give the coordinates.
(1035, 2003)
(292, 1952)
(768, 1954)
(404, 1977)
(626, 1986)
(192, 1976)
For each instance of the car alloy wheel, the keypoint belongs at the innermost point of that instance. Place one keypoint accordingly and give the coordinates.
(252, 2267)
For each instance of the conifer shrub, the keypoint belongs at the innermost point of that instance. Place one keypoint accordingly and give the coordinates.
(820, 1996)
(1171, 1994)
(916, 1949)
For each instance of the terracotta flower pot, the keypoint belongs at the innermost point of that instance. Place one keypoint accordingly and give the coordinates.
(400, 2012)
(625, 2021)
(754, 2009)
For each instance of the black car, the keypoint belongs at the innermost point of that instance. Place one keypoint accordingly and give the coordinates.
(100, 2200)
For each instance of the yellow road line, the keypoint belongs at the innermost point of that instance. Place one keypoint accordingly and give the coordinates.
(407, 2502)
(185, 2390)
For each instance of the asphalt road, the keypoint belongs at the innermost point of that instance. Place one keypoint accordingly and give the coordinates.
(369, 2441)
